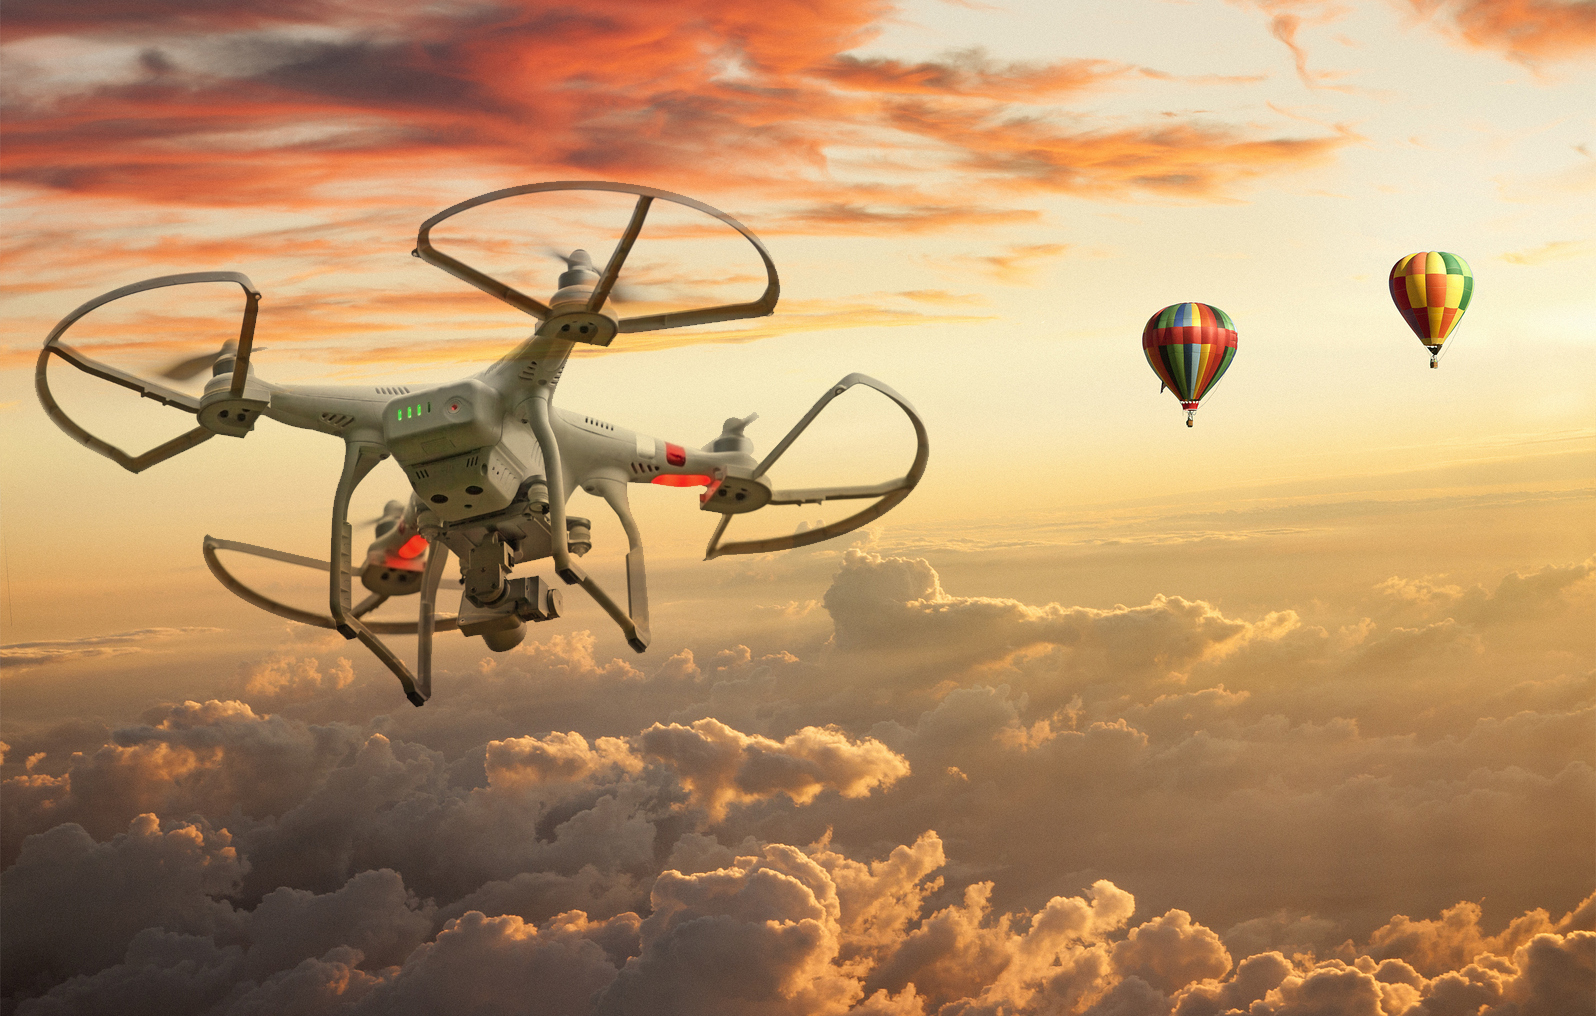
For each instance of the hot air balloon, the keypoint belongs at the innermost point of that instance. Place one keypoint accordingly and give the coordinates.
(1190, 346)
(1432, 290)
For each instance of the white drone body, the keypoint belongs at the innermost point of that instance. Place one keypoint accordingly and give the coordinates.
(491, 461)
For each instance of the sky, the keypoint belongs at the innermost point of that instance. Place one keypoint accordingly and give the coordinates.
(1290, 712)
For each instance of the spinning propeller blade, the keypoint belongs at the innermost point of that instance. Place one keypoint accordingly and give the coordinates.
(182, 370)
(581, 261)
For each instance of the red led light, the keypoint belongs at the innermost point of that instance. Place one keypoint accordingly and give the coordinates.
(681, 480)
(413, 548)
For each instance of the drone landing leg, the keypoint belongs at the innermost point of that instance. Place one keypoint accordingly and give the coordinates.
(437, 557)
(636, 578)
(359, 459)
(559, 542)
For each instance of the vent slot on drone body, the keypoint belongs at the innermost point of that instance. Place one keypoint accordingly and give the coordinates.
(338, 420)
(529, 372)
(644, 467)
(393, 390)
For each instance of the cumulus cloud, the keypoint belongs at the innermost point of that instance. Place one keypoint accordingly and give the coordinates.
(720, 765)
(72, 905)
(959, 805)
(1171, 952)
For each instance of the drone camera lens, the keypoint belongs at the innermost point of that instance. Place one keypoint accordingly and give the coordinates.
(440, 498)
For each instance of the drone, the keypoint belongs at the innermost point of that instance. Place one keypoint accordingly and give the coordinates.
(490, 459)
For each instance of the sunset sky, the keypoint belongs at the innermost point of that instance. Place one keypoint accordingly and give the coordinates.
(1291, 712)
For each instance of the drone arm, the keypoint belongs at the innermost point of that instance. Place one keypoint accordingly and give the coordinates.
(891, 493)
(359, 459)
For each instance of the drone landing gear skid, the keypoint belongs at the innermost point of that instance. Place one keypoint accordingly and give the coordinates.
(890, 492)
(266, 603)
(346, 618)
(634, 619)
(359, 459)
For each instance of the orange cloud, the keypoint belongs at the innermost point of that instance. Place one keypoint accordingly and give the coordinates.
(1526, 30)
(971, 72)
(713, 94)
(1188, 159)
(1018, 263)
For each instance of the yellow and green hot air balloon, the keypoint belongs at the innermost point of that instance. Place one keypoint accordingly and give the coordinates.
(1432, 290)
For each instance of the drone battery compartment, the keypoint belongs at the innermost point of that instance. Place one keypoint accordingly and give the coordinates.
(442, 422)
(447, 440)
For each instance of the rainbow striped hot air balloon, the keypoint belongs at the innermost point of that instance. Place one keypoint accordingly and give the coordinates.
(1432, 290)
(1190, 346)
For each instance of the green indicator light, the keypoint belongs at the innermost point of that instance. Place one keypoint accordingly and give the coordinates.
(400, 413)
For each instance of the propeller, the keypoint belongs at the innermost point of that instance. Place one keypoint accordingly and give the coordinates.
(182, 370)
(580, 260)
(392, 512)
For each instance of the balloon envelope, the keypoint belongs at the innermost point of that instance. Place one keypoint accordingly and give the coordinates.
(1432, 290)
(1189, 346)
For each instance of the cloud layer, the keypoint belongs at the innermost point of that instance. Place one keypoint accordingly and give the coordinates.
(1160, 809)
